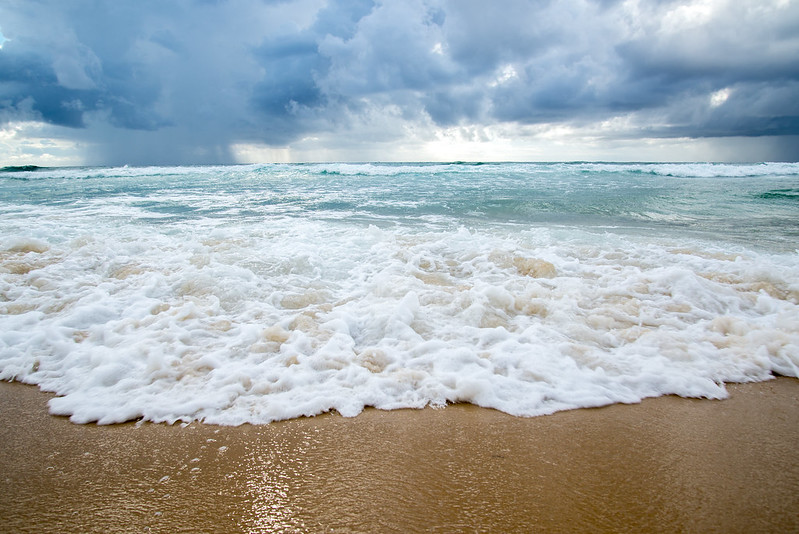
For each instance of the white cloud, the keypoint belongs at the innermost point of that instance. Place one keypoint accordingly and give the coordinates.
(23, 142)
(689, 15)
(506, 74)
(717, 98)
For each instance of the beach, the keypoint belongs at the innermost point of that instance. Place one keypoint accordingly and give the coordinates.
(304, 347)
(667, 464)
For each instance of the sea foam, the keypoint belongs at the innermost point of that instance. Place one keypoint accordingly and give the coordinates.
(196, 312)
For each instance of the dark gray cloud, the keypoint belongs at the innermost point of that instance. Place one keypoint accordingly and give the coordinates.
(184, 81)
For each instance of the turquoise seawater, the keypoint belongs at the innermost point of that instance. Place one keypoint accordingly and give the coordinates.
(748, 204)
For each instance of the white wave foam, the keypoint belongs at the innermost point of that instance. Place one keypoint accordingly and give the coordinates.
(261, 322)
(700, 170)
(386, 169)
(682, 170)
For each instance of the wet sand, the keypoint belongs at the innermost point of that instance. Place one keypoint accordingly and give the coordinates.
(664, 465)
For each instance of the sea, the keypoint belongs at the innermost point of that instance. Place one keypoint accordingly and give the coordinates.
(256, 293)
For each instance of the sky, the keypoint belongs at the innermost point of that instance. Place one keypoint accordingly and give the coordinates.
(149, 82)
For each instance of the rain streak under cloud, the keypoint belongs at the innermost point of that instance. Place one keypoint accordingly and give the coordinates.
(205, 81)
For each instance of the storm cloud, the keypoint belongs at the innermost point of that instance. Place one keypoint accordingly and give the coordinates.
(202, 81)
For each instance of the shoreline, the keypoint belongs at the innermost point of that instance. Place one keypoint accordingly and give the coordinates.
(666, 464)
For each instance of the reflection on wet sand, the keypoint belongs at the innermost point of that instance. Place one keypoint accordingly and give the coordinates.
(668, 464)
(268, 470)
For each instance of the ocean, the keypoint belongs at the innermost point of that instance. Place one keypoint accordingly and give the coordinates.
(256, 293)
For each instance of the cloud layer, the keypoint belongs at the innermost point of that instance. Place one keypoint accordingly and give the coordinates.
(197, 81)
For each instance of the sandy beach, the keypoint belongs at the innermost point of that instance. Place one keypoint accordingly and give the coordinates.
(665, 465)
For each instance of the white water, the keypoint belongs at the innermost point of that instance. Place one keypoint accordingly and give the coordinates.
(231, 320)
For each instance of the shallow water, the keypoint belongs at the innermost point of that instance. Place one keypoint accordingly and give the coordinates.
(259, 293)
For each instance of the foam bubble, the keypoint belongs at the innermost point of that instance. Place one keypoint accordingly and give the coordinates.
(229, 318)
(500, 328)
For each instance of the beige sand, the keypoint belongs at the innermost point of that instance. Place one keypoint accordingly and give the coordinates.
(665, 465)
